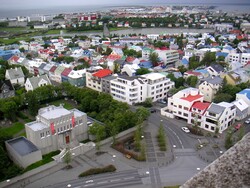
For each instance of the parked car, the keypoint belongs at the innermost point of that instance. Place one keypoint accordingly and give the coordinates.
(162, 101)
(185, 129)
(247, 122)
(152, 110)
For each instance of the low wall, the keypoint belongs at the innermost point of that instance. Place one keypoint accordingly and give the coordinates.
(166, 112)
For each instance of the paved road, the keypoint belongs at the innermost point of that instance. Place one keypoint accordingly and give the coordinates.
(108, 180)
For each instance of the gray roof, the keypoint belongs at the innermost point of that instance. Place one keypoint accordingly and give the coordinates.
(217, 67)
(213, 80)
(125, 77)
(36, 79)
(15, 73)
(22, 146)
(42, 66)
(216, 109)
(109, 78)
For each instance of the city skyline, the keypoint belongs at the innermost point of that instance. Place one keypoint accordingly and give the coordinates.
(29, 4)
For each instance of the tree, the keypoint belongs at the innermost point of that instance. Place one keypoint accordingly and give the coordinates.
(193, 64)
(67, 157)
(220, 97)
(209, 58)
(9, 109)
(137, 137)
(182, 69)
(142, 71)
(32, 102)
(99, 132)
(229, 140)
(153, 57)
(22, 49)
(162, 138)
(192, 81)
(142, 114)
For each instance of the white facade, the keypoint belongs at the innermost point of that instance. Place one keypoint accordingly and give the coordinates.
(169, 57)
(221, 116)
(241, 109)
(243, 58)
(35, 82)
(15, 76)
(56, 128)
(181, 103)
(245, 96)
(137, 89)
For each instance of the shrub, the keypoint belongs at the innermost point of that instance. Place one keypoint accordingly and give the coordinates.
(196, 131)
(92, 171)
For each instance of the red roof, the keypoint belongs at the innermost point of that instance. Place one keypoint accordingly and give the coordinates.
(130, 59)
(114, 56)
(201, 105)
(193, 73)
(53, 69)
(14, 58)
(102, 73)
(191, 98)
(66, 72)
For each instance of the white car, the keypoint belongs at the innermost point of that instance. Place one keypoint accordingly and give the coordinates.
(89, 181)
(247, 122)
(185, 129)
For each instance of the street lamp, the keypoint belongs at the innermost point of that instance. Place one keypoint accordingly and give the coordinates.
(147, 172)
(198, 169)
(8, 180)
(69, 185)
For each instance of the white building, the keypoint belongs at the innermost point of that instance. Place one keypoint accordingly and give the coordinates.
(245, 96)
(241, 109)
(221, 116)
(169, 57)
(137, 89)
(243, 58)
(15, 76)
(56, 128)
(37, 81)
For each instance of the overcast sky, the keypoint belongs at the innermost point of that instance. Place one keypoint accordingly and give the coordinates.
(11, 4)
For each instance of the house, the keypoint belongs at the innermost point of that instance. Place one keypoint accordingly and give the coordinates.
(232, 78)
(181, 102)
(56, 128)
(15, 76)
(215, 69)
(77, 78)
(245, 96)
(130, 70)
(192, 73)
(93, 79)
(22, 151)
(210, 86)
(37, 81)
(219, 116)
(58, 74)
(7, 54)
(241, 109)
(65, 74)
(52, 72)
(6, 89)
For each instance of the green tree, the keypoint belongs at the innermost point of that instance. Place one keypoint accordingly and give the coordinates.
(222, 97)
(209, 58)
(193, 65)
(67, 157)
(142, 71)
(153, 57)
(229, 140)
(142, 114)
(192, 81)
(32, 102)
(9, 109)
(99, 132)
(162, 138)
(182, 69)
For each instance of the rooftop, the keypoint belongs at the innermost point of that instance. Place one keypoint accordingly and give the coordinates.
(53, 112)
(191, 98)
(201, 105)
(102, 73)
(153, 76)
(22, 146)
(245, 92)
(215, 108)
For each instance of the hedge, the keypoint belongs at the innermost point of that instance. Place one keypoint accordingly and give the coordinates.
(93, 171)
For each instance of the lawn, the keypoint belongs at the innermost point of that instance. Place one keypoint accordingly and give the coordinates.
(46, 159)
(54, 31)
(66, 104)
(14, 29)
(12, 130)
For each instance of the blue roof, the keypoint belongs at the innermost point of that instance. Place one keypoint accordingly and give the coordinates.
(203, 71)
(246, 92)
(184, 61)
(145, 64)
(7, 57)
(228, 47)
(224, 54)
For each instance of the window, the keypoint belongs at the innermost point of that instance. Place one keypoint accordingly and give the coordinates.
(185, 114)
(180, 106)
(41, 135)
(206, 126)
(185, 108)
(212, 128)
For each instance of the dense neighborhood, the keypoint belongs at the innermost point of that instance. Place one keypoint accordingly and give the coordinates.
(202, 79)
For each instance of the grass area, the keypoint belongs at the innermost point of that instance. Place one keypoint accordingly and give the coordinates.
(8, 41)
(66, 104)
(14, 29)
(54, 31)
(12, 130)
(93, 171)
(46, 159)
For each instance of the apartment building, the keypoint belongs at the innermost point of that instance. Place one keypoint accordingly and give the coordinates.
(169, 57)
(245, 96)
(137, 89)
(56, 127)
(243, 58)
(93, 79)
(221, 116)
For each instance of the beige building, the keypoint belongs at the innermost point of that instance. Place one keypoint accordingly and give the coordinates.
(56, 127)
(209, 87)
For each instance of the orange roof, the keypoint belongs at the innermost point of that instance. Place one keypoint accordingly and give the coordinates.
(102, 73)
(191, 98)
(114, 56)
(15, 58)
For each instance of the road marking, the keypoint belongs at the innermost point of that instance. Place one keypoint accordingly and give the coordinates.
(88, 185)
(199, 140)
(177, 137)
(128, 178)
(102, 182)
(115, 180)
(78, 187)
